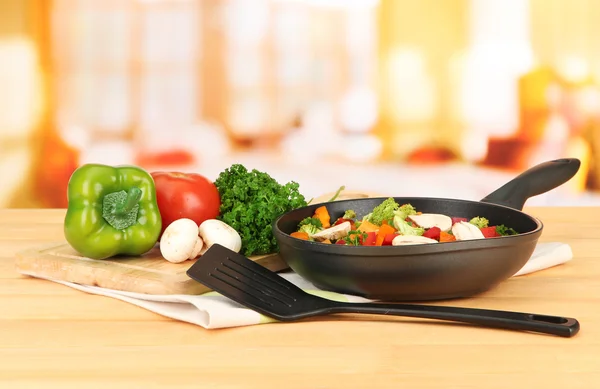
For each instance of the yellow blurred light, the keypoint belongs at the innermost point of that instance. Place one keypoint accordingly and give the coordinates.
(20, 91)
(573, 68)
(411, 91)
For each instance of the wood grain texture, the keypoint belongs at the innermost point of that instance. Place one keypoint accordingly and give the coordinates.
(52, 336)
(149, 273)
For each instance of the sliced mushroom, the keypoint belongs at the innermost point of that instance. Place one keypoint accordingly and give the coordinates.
(335, 232)
(466, 231)
(402, 240)
(428, 220)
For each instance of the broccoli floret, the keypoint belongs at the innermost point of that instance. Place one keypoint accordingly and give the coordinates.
(349, 214)
(406, 229)
(384, 211)
(315, 221)
(310, 225)
(405, 210)
(311, 221)
(480, 222)
(310, 229)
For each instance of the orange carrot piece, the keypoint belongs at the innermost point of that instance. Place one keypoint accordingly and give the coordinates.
(446, 237)
(323, 216)
(300, 235)
(383, 231)
(326, 241)
(367, 226)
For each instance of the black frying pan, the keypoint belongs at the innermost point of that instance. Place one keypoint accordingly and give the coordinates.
(428, 271)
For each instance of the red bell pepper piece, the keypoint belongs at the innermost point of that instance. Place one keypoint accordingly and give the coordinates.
(370, 240)
(433, 233)
(458, 219)
(340, 241)
(489, 232)
(388, 238)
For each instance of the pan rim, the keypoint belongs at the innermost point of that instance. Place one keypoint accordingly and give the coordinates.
(408, 250)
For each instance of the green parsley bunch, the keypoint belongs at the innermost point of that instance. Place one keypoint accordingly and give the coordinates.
(250, 203)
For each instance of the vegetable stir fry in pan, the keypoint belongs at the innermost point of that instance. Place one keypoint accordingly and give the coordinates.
(390, 223)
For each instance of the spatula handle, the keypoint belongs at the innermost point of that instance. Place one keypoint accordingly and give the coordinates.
(554, 325)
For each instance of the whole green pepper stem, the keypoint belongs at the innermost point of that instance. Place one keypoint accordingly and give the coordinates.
(120, 209)
(133, 197)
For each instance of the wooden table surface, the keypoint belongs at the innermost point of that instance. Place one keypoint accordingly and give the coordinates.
(52, 336)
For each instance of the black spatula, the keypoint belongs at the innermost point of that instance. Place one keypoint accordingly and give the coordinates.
(250, 284)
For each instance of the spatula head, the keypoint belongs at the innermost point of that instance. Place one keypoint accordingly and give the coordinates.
(252, 285)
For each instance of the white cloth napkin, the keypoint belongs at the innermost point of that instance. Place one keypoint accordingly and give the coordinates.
(212, 310)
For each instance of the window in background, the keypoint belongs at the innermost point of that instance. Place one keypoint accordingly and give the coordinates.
(499, 53)
(125, 74)
(138, 75)
(290, 60)
(325, 54)
(418, 45)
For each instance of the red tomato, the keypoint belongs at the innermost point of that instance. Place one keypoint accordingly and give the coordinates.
(185, 195)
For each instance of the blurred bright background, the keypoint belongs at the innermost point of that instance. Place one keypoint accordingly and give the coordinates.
(447, 98)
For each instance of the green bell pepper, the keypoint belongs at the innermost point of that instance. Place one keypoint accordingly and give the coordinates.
(112, 210)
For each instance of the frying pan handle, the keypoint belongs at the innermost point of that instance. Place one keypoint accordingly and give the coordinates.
(553, 325)
(532, 182)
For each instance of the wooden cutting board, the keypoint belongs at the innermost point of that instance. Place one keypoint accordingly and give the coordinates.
(149, 273)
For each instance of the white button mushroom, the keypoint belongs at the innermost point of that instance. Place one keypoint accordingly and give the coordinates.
(466, 231)
(215, 231)
(335, 232)
(180, 240)
(428, 220)
(402, 240)
(197, 248)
